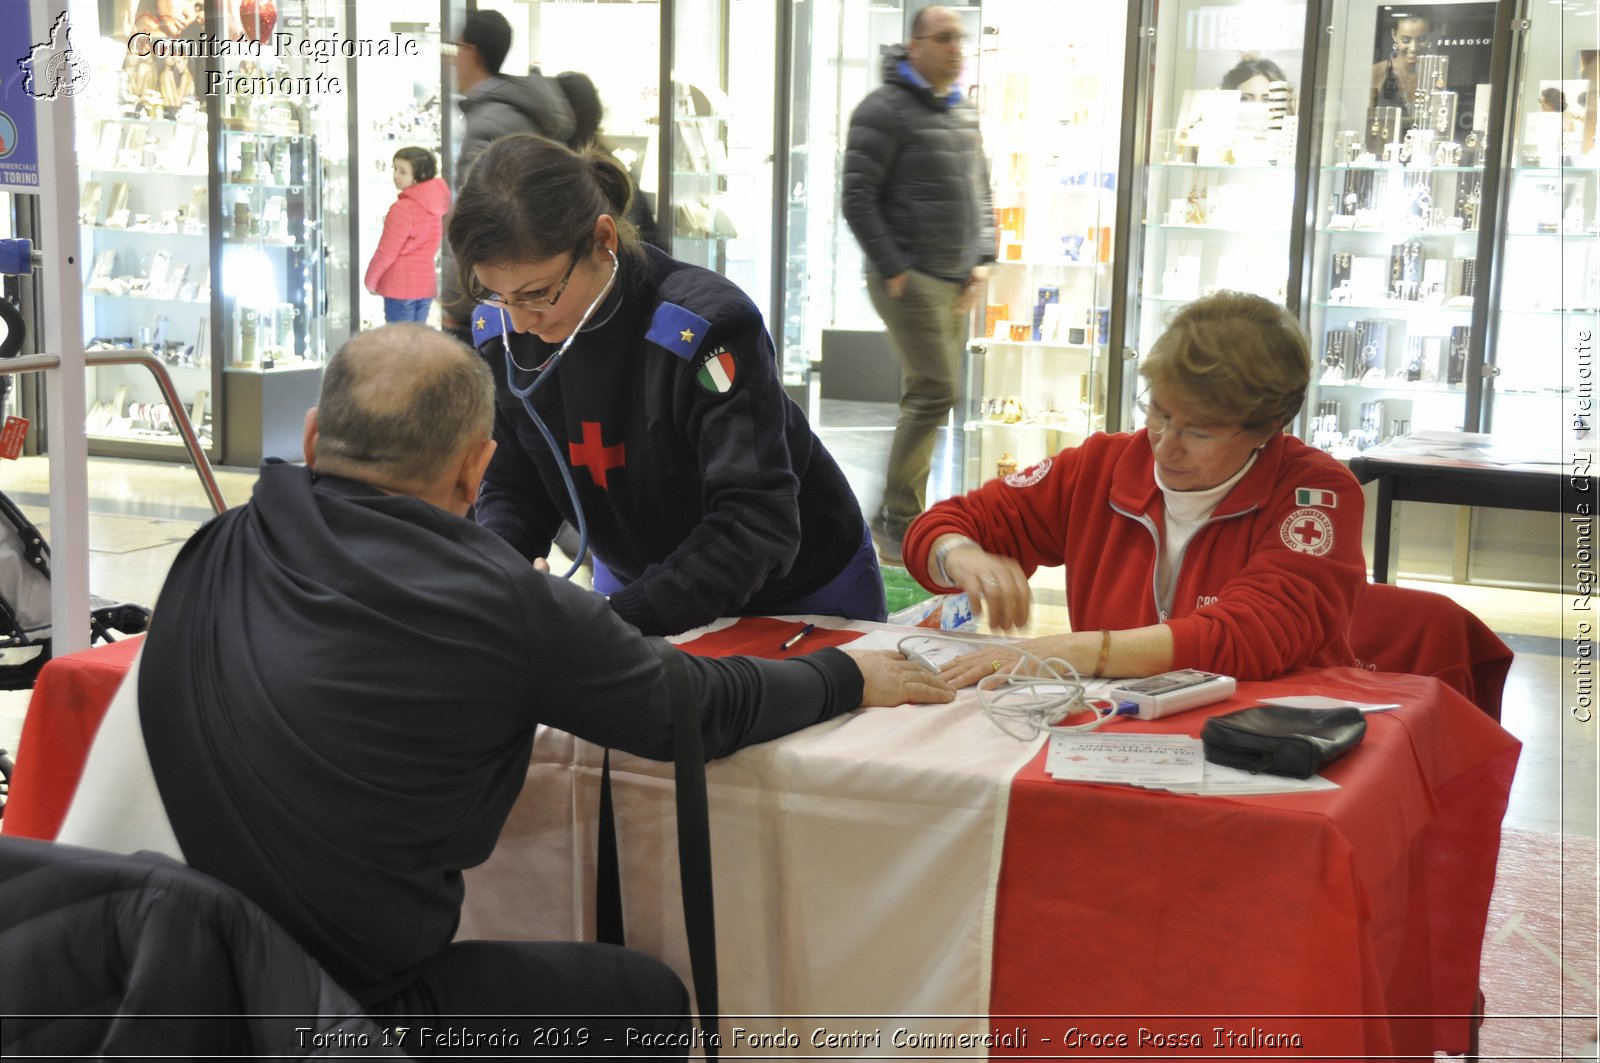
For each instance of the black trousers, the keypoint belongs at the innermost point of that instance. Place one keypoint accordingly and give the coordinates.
(555, 999)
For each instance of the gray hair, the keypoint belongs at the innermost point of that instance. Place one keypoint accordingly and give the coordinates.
(400, 402)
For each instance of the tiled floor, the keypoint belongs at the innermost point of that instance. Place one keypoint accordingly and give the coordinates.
(141, 513)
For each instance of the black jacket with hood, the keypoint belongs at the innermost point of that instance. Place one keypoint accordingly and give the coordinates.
(916, 183)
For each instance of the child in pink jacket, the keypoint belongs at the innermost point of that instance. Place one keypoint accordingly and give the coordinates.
(402, 268)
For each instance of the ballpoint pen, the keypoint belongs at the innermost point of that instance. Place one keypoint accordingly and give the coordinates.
(788, 643)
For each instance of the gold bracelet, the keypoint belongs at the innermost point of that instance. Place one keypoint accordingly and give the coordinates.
(1105, 653)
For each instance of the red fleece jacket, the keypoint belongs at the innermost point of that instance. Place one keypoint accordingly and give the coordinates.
(1265, 586)
(402, 267)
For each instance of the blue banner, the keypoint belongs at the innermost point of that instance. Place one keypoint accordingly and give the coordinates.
(34, 65)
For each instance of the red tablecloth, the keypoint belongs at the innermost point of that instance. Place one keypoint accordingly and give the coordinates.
(69, 697)
(1352, 919)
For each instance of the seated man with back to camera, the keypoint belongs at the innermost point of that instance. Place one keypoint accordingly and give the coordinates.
(339, 692)
(1209, 539)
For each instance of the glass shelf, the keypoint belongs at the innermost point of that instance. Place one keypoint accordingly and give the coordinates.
(147, 298)
(1270, 230)
(140, 232)
(93, 168)
(1229, 167)
(1392, 167)
(1334, 230)
(1060, 348)
(1409, 387)
(1387, 306)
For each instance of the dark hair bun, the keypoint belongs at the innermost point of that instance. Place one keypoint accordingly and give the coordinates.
(612, 178)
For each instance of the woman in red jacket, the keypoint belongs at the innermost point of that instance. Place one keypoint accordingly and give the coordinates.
(402, 269)
(1208, 539)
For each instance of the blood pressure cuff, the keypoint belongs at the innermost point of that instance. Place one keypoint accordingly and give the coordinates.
(1280, 740)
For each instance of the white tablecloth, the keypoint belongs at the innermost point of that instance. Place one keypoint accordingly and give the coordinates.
(855, 863)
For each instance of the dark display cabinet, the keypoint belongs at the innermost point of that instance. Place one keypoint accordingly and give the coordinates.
(1397, 269)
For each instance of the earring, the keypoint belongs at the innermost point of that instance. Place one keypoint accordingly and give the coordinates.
(1394, 50)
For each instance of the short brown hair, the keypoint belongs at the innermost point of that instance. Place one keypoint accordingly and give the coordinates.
(529, 198)
(1235, 358)
(423, 166)
(402, 401)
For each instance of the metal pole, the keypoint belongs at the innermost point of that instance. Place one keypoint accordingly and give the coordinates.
(65, 387)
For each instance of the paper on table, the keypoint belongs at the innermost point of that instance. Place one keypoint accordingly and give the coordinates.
(1140, 759)
(1317, 701)
(1223, 781)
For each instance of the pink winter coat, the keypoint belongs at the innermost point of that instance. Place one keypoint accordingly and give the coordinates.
(402, 266)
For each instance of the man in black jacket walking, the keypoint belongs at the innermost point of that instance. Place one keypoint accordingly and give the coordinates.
(916, 195)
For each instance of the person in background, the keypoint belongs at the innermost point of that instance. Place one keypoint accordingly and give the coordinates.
(916, 196)
(402, 269)
(1207, 539)
(334, 710)
(586, 114)
(494, 105)
(1553, 101)
(705, 491)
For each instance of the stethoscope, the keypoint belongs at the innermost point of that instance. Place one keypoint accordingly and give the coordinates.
(544, 372)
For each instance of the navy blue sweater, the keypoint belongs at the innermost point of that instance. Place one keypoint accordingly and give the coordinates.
(706, 492)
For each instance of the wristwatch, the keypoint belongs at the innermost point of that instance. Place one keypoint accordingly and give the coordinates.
(942, 552)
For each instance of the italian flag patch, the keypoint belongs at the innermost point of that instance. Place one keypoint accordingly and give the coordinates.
(1313, 496)
(717, 371)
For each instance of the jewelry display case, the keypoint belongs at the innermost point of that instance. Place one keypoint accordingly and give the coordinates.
(1400, 185)
(205, 238)
(143, 145)
(1048, 79)
(1216, 200)
(1547, 308)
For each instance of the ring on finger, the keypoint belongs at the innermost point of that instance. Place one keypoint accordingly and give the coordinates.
(994, 666)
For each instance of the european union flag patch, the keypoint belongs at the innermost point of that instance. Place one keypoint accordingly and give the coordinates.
(678, 330)
(487, 324)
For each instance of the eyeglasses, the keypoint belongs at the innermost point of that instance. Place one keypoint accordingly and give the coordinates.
(1159, 423)
(543, 299)
(947, 38)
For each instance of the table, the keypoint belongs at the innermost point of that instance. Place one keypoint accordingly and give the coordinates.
(893, 863)
(1464, 469)
(69, 697)
(915, 862)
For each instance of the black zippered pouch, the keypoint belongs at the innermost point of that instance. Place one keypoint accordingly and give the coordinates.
(1279, 740)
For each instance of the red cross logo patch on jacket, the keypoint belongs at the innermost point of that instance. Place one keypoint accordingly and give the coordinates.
(591, 454)
(1307, 531)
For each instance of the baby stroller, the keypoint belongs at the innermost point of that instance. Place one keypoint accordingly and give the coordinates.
(25, 603)
(25, 569)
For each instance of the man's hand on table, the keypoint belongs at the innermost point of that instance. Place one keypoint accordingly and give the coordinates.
(890, 679)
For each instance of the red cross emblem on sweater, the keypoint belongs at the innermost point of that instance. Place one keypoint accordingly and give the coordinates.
(1307, 531)
(593, 456)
